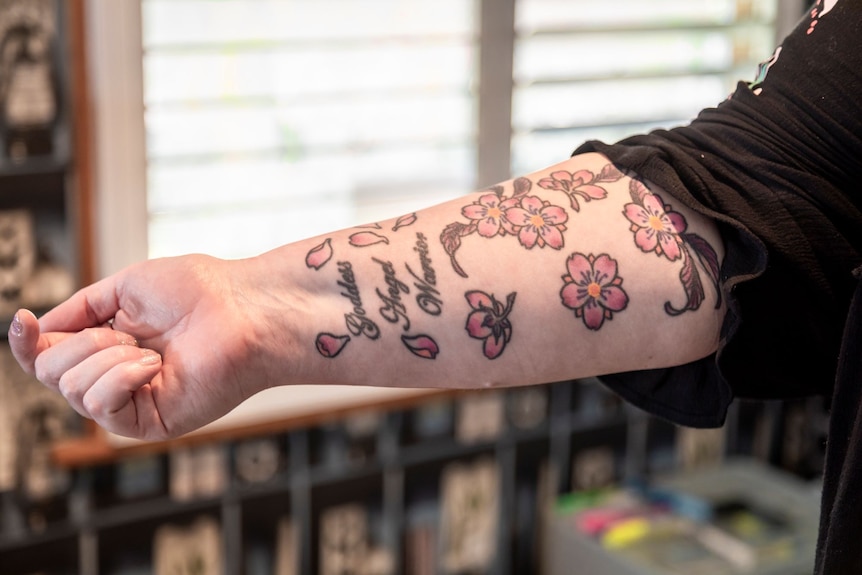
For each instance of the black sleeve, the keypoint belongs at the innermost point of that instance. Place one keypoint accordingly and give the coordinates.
(778, 166)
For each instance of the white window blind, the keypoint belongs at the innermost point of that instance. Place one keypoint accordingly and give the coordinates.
(272, 120)
(605, 70)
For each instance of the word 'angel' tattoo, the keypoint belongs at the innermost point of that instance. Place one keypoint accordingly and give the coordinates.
(593, 288)
(489, 321)
(661, 230)
(534, 221)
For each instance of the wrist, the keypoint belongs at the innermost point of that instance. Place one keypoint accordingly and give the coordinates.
(282, 302)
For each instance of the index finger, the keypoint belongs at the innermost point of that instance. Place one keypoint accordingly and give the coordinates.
(91, 306)
(26, 341)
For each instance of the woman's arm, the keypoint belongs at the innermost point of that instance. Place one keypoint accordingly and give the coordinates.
(573, 271)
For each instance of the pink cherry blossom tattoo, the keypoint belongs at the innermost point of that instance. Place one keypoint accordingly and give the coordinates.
(583, 184)
(535, 222)
(538, 222)
(489, 321)
(592, 288)
(657, 227)
(661, 230)
(489, 214)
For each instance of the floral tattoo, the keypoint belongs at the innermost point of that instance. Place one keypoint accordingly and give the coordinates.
(534, 221)
(593, 288)
(489, 321)
(661, 230)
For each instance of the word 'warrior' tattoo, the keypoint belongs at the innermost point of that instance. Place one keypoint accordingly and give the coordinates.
(427, 294)
(592, 288)
(489, 321)
(535, 222)
(661, 230)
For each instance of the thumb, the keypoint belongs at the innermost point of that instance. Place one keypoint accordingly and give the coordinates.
(24, 339)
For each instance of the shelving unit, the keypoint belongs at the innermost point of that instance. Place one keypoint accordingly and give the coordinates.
(391, 464)
(49, 186)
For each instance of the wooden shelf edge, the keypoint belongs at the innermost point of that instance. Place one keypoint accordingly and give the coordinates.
(98, 449)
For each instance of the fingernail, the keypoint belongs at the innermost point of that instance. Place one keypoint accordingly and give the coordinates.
(125, 339)
(149, 357)
(17, 329)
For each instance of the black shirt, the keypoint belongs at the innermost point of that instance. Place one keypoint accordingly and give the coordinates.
(779, 167)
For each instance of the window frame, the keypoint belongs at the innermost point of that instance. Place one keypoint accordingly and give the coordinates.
(119, 177)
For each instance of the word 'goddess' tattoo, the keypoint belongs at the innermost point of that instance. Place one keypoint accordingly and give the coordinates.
(534, 221)
(358, 322)
(592, 288)
(661, 230)
(489, 321)
(427, 294)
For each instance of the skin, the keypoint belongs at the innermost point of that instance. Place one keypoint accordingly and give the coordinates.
(574, 283)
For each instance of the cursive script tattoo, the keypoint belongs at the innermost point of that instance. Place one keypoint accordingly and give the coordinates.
(393, 309)
(427, 294)
(358, 322)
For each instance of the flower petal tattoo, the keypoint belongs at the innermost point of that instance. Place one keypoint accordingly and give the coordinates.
(319, 255)
(404, 221)
(592, 288)
(329, 345)
(661, 230)
(422, 346)
(364, 239)
(489, 321)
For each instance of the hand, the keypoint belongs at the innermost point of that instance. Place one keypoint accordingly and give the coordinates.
(155, 351)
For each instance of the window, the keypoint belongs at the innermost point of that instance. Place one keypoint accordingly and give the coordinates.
(266, 121)
(269, 121)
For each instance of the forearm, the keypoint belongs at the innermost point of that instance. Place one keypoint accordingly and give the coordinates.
(545, 278)
(574, 271)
